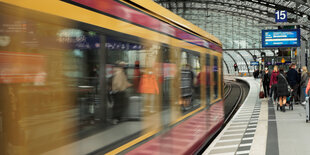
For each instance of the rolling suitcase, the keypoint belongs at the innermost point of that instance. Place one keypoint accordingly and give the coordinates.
(307, 109)
(133, 111)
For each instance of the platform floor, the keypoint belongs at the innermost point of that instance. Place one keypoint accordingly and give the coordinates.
(258, 128)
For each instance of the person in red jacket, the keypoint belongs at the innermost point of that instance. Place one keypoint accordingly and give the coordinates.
(308, 88)
(273, 82)
(137, 76)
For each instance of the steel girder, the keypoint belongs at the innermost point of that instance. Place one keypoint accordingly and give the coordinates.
(262, 10)
(231, 57)
(226, 65)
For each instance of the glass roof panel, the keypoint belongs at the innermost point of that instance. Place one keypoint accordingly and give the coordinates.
(238, 24)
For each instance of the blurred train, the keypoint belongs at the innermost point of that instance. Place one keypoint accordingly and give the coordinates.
(105, 77)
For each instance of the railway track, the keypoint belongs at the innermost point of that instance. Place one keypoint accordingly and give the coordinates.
(234, 95)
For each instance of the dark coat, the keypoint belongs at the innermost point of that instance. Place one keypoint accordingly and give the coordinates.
(282, 87)
(292, 77)
(266, 78)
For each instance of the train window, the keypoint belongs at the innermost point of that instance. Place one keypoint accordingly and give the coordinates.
(190, 81)
(208, 78)
(133, 80)
(215, 77)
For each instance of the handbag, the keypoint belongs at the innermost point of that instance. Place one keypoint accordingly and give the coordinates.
(261, 93)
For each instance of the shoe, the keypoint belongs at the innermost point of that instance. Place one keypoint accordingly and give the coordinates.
(303, 103)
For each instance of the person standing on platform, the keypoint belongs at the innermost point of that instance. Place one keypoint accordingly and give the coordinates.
(119, 86)
(282, 89)
(273, 83)
(299, 86)
(308, 87)
(136, 78)
(266, 81)
(293, 80)
(303, 84)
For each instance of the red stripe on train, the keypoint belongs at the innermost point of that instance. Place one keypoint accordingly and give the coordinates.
(121, 11)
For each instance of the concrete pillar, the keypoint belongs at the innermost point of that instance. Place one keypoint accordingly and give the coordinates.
(302, 53)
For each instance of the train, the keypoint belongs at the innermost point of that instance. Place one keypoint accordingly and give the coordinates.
(106, 77)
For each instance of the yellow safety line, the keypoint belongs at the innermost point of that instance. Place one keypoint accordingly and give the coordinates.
(217, 100)
(133, 142)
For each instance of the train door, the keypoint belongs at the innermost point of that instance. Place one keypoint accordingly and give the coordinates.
(221, 80)
(208, 79)
(124, 67)
(216, 78)
(174, 74)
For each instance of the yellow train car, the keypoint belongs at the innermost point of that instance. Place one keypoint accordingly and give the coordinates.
(105, 77)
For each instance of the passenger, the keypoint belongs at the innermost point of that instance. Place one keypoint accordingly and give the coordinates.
(303, 84)
(282, 89)
(273, 83)
(136, 74)
(308, 87)
(293, 80)
(119, 86)
(299, 86)
(266, 82)
(256, 73)
(149, 88)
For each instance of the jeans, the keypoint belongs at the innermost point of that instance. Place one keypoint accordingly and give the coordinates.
(303, 94)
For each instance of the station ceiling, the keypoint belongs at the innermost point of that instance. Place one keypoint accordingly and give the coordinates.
(238, 24)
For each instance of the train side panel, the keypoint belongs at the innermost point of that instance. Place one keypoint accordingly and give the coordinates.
(74, 76)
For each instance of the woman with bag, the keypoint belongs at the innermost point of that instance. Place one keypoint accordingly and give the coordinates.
(266, 81)
(303, 84)
(273, 82)
(282, 89)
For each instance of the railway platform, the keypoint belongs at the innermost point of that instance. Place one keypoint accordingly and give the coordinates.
(258, 128)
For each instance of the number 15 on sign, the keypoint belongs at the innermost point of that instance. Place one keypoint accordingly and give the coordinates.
(281, 16)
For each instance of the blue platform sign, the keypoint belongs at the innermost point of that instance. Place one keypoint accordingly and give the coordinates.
(281, 38)
(281, 16)
(254, 63)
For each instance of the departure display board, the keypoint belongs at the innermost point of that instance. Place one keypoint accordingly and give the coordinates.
(281, 38)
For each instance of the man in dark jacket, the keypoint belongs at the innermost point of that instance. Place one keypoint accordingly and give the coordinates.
(293, 80)
(266, 81)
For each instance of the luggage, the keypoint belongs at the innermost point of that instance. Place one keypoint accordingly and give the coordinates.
(134, 108)
(307, 109)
